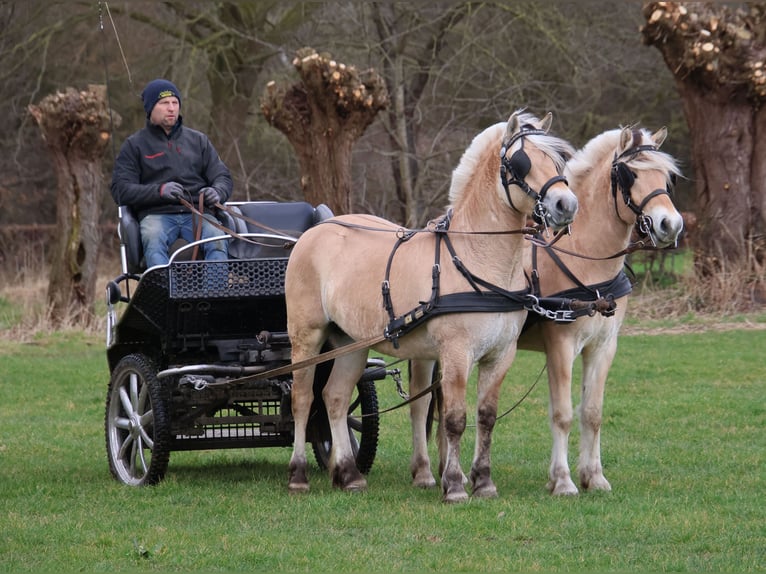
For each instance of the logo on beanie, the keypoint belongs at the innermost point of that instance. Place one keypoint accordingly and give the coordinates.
(165, 94)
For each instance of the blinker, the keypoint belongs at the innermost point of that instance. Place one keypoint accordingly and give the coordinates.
(520, 164)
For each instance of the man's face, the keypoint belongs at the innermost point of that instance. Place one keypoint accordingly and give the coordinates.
(165, 113)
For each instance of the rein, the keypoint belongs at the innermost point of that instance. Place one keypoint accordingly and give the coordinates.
(195, 211)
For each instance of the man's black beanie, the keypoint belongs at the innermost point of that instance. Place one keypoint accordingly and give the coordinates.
(155, 91)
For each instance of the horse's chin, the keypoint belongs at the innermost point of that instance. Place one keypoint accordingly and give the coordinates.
(557, 224)
(665, 244)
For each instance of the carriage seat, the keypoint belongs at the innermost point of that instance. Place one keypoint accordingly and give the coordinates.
(290, 218)
(129, 232)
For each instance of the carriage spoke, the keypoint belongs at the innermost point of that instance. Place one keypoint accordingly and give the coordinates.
(134, 390)
(141, 457)
(121, 423)
(142, 398)
(145, 438)
(146, 419)
(126, 444)
(125, 400)
(355, 424)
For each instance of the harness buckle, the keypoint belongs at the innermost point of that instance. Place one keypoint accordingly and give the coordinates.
(563, 316)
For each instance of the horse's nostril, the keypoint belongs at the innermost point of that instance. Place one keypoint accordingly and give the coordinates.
(566, 206)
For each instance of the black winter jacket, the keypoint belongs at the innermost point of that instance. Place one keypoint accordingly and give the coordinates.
(150, 158)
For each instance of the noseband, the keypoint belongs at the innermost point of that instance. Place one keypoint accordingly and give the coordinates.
(624, 178)
(514, 171)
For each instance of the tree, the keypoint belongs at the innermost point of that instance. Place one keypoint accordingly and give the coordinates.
(75, 126)
(407, 86)
(717, 55)
(322, 116)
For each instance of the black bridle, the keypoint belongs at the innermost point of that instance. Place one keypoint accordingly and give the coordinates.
(623, 178)
(514, 171)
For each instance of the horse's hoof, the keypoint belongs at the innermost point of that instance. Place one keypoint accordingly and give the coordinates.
(455, 497)
(596, 482)
(562, 488)
(359, 485)
(454, 493)
(488, 491)
(298, 487)
(425, 484)
(423, 480)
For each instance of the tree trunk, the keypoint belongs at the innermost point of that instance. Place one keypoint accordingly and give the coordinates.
(729, 192)
(75, 126)
(718, 57)
(322, 117)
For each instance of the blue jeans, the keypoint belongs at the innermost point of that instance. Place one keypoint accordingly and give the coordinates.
(160, 230)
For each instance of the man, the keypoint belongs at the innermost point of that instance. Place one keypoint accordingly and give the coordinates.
(160, 164)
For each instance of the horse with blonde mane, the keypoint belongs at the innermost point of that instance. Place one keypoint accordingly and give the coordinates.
(622, 182)
(361, 282)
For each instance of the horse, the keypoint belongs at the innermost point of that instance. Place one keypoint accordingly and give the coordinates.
(623, 182)
(349, 278)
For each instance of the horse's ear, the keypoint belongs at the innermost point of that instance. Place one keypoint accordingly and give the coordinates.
(546, 122)
(659, 136)
(626, 138)
(512, 126)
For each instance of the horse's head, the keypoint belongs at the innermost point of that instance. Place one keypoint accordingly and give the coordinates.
(531, 166)
(642, 178)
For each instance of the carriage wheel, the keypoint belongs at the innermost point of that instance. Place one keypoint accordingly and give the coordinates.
(137, 423)
(363, 428)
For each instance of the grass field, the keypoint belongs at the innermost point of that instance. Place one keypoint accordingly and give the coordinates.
(683, 447)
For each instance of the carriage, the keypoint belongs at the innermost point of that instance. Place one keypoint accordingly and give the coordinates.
(192, 346)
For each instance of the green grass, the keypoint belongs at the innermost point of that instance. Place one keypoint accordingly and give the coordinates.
(683, 446)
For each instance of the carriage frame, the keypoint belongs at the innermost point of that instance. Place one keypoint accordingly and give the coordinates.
(187, 343)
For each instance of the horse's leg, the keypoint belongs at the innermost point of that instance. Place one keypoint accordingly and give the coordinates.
(560, 356)
(302, 396)
(453, 418)
(441, 436)
(421, 373)
(596, 364)
(489, 382)
(337, 396)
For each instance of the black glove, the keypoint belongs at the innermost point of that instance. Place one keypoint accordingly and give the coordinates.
(212, 196)
(171, 190)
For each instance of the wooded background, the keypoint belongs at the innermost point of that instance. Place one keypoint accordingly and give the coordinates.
(452, 69)
(409, 86)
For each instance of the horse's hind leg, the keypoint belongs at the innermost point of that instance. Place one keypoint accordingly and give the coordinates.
(596, 364)
(421, 374)
(302, 396)
(337, 397)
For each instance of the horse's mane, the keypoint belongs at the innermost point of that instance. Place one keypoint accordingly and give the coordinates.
(592, 154)
(555, 148)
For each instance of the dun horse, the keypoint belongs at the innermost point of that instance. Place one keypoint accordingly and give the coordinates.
(621, 180)
(353, 278)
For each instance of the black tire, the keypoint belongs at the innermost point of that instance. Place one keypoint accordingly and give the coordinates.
(137, 423)
(363, 429)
